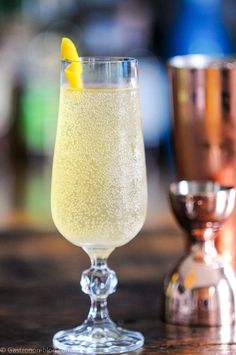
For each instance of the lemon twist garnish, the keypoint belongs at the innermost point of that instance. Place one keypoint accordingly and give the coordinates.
(73, 72)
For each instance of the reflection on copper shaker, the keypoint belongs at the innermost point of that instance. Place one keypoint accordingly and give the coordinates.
(203, 94)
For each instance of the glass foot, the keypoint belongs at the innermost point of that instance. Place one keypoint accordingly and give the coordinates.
(97, 339)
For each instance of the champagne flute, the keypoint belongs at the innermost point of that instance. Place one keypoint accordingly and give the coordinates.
(99, 192)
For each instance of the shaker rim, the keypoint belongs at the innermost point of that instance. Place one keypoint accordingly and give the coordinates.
(202, 61)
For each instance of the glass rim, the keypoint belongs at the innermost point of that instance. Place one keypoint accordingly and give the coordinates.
(101, 60)
(202, 61)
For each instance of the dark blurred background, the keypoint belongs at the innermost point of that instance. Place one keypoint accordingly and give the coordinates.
(30, 36)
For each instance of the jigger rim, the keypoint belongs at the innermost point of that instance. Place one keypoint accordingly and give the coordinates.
(198, 187)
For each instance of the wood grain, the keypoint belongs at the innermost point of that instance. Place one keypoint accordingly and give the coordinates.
(40, 293)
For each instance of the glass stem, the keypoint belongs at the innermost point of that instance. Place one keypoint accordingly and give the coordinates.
(98, 310)
(98, 282)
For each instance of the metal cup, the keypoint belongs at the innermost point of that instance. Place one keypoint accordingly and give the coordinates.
(203, 94)
(201, 290)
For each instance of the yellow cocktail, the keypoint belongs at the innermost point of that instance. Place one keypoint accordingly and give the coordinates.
(99, 183)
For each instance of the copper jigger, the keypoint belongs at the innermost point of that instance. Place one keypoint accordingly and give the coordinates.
(202, 288)
(203, 98)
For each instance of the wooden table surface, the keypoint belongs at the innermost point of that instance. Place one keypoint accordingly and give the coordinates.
(40, 293)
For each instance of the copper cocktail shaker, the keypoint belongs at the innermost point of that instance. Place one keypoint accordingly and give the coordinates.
(203, 93)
